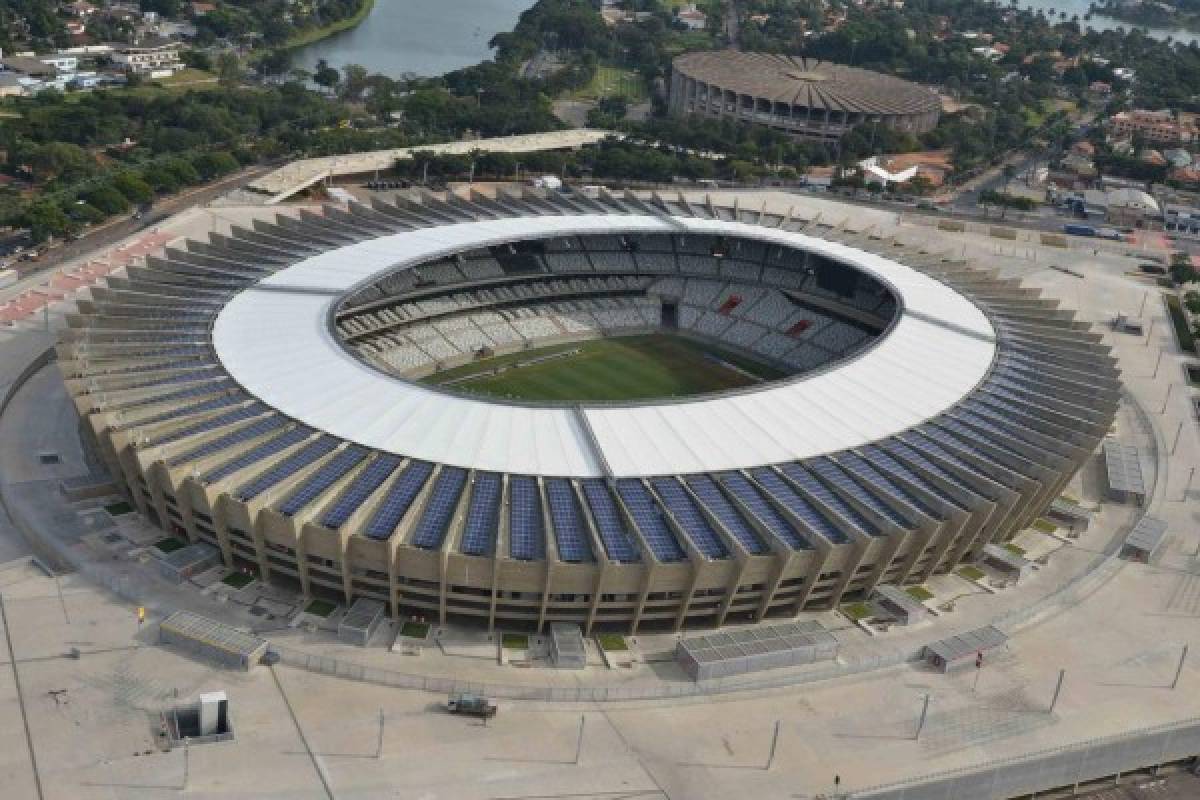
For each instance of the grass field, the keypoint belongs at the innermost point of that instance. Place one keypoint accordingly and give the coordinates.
(614, 81)
(609, 370)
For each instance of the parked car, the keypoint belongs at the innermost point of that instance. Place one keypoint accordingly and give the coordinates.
(471, 704)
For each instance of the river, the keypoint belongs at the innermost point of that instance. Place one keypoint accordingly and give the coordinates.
(426, 37)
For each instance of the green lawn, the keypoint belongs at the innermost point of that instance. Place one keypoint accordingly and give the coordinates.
(169, 544)
(119, 508)
(320, 608)
(515, 641)
(415, 630)
(1044, 525)
(612, 642)
(856, 611)
(919, 593)
(609, 81)
(1015, 549)
(238, 580)
(970, 573)
(609, 370)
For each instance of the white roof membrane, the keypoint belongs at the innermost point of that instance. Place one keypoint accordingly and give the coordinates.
(275, 339)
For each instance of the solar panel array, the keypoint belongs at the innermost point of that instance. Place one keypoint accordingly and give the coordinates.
(885, 461)
(792, 501)
(251, 431)
(288, 467)
(882, 481)
(762, 509)
(917, 456)
(809, 483)
(370, 479)
(431, 529)
(647, 516)
(690, 518)
(616, 538)
(526, 534)
(712, 498)
(835, 475)
(482, 514)
(322, 479)
(210, 424)
(569, 533)
(256, 454)
(393, 507)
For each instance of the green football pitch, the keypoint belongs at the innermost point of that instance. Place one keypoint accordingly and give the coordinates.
(607, 370)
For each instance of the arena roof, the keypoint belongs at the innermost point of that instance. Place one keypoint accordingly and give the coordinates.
(807, 82)
(275, 338)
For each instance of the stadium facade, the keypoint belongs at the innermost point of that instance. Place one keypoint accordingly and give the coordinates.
(253, 392)
(803, 97)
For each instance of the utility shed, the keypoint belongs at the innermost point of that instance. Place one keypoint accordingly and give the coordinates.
(900, 604)
(182, 564)
(566, 646)
(212, 640)
(360, 622)
(739, 651)
(1011, 566)
(1070, 513)
(1123, 465)
(1144, 539)
(958, 652)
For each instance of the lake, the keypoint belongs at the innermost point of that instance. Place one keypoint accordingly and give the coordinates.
(426, 37)
(432, 37)
(1099, 23)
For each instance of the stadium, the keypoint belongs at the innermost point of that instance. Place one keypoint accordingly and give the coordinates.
(621, 412)
(803, 97)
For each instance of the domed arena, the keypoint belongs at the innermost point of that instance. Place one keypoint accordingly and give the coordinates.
(617, 411)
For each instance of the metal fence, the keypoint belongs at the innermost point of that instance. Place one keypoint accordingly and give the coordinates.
(334, 667)
(1069, 766)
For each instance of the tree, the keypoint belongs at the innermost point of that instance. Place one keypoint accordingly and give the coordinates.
(229, 69)
(326, 76)
(45, 220)
(106, 198)
(276, 62)
(133, 187)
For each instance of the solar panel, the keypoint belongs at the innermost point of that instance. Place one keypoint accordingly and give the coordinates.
(904, 448)
(256, 454)
(690, 518)
(649, 519)
(930, 444)
(210, 424)
(805, 479)
(887, 463)
(835, 475)
(322, 479)
(792, 501)
(199, 408)
(393, 507)
(370, 479)
(526, 540)
(972, 435)
(431, 529)
(245, 434)
(749, 494)
(569, 532)
(712, 498)
(616, 537)
(868, 472)
(482, 514)
(288, 467)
